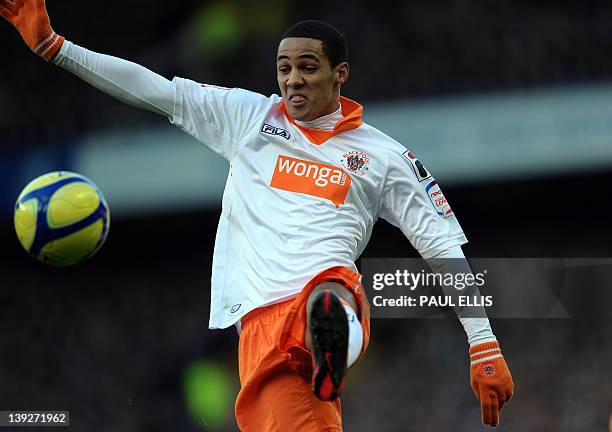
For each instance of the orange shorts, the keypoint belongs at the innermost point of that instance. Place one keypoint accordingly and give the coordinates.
(276, 368)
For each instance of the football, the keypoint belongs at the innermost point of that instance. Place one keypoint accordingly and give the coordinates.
(61, 218)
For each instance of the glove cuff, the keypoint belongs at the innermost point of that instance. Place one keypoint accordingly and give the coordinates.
(49, 47)
(484, 351)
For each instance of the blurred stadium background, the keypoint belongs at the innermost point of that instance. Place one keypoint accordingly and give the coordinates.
(509, 104)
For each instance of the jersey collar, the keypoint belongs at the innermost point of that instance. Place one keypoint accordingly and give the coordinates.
(352, 119)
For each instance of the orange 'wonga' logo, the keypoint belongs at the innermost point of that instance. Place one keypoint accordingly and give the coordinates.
(311, 178)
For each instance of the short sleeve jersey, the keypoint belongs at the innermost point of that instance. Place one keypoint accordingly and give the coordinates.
(298, 201)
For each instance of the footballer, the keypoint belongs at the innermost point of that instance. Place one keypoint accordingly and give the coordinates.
(307, 181)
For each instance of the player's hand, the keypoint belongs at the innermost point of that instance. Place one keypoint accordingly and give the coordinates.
(491, 380)
(31, 20)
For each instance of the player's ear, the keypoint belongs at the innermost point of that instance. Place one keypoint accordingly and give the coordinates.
(342, 72)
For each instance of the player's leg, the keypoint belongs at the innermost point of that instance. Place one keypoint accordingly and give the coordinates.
(274, 397)
(334, 335)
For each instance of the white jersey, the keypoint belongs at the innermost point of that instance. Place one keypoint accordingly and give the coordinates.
(297, 200)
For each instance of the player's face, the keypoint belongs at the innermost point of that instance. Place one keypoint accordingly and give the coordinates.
(309, 85)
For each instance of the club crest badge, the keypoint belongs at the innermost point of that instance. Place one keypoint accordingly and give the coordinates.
(356, 161)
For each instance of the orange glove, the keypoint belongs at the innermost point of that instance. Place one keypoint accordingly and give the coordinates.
(491, 380)
(31, 20)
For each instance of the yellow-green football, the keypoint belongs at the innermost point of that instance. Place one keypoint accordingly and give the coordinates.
(61, 218)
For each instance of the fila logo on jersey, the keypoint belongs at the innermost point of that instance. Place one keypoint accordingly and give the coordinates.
(419, 170)
(438, 200)
(273, 130)
(311, 178)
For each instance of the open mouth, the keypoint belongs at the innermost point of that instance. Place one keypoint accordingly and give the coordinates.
(297, 99)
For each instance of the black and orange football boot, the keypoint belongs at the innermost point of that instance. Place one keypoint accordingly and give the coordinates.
(330, 335)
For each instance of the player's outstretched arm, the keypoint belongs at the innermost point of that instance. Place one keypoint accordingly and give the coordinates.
(124, 80)
(490, 377)
(434, 230)
(31, 20)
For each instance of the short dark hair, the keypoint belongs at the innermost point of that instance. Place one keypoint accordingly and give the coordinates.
(334, 45)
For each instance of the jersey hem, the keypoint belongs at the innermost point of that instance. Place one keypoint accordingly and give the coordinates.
(228, 323)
